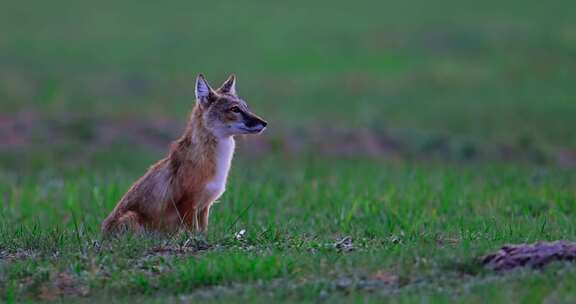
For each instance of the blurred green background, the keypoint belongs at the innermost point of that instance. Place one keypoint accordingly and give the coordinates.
(487, 79)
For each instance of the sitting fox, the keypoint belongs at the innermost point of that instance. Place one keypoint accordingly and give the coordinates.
(179, 189)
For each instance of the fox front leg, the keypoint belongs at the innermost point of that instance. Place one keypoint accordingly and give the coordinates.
(203, 216)
(191, 220)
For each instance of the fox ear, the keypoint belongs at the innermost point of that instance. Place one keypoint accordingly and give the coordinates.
(229, 86)
(203, 89)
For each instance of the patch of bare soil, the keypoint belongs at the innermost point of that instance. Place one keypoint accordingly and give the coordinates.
(15, 130)
(25, 130)
(380, 280)
(9, 255)
(190, 246)
(61, 285)
(153, 261)
(535, 255)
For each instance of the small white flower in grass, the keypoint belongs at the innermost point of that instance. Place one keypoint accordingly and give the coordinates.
(344, 245)
(240, 234)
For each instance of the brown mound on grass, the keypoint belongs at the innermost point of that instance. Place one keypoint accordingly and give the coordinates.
(535, 255)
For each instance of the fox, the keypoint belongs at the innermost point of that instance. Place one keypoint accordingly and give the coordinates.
(178, 191)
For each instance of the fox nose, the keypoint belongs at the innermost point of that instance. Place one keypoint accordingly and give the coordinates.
(256, 123)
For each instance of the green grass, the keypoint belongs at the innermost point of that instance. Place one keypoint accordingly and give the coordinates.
(457, 85)
(425, 223)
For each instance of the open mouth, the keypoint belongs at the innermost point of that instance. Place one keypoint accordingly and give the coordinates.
(253, 130)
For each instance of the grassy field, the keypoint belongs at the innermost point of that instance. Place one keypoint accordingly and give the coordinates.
(416, 232)
(406, 140)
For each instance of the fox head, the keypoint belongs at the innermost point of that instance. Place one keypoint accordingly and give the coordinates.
(223, 112)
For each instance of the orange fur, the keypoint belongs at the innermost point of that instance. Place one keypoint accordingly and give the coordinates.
(173, 193)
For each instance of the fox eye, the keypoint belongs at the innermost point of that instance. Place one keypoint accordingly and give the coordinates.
(235, 109)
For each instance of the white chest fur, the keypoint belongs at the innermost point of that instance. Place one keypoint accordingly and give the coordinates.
(224, 153)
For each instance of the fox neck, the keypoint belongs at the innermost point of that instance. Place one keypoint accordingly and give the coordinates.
(206, 150)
